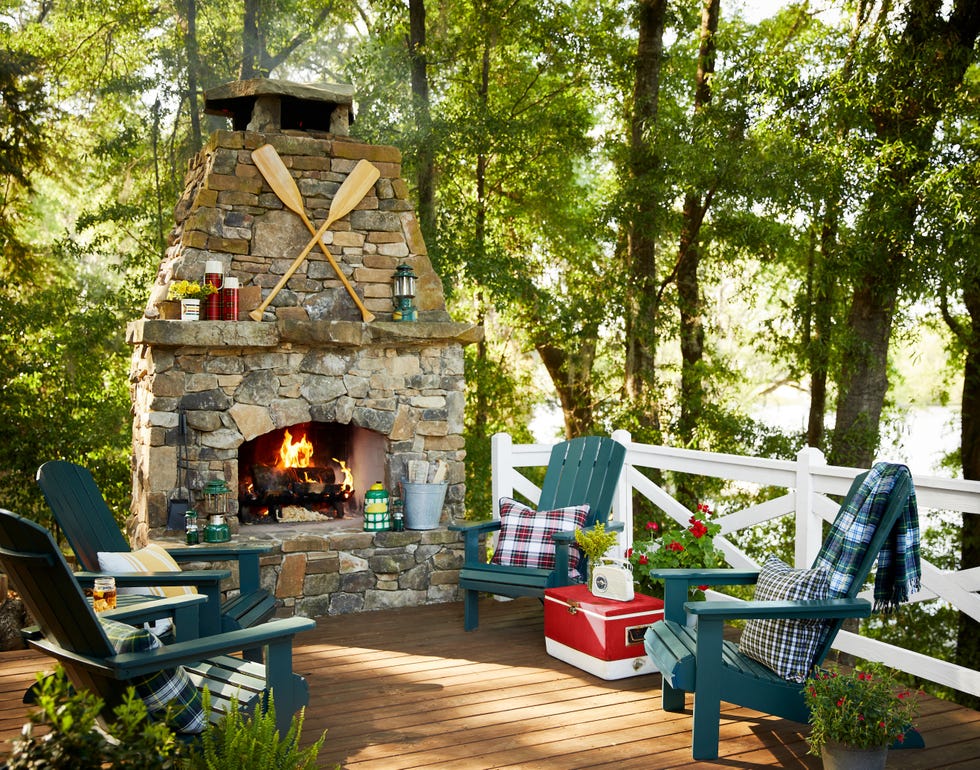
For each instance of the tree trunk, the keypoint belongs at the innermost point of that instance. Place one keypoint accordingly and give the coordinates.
(482, 400)
(689, 254)
(193, 71)
(251, 43)
(819, 326)
(425, 175)
(927, 64)
(641, 296)
(571, 374)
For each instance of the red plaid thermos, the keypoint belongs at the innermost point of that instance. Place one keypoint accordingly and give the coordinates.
(213, 275)
(229, 299)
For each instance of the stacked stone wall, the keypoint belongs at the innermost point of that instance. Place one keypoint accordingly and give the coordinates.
(338, 573)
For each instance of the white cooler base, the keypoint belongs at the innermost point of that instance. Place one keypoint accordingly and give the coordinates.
(604, 669)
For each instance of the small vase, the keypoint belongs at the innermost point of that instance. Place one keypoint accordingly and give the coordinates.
(190, 309)
(838, 756)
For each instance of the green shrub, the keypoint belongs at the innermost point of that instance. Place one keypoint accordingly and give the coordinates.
(69, 738)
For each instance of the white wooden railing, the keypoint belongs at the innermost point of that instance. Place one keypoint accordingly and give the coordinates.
(808, 481)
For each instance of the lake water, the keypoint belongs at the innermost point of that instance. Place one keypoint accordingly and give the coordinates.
(920, 439)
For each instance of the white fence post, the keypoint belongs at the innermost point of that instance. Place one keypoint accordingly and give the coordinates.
(809, 531)
(502, 469)
(622, 509)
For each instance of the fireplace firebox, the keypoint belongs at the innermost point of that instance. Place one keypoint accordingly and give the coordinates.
(308, 472)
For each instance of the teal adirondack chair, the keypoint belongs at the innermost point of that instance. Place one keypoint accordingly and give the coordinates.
(582, 470)
(70, 632)
(699, 660)
(90, 528)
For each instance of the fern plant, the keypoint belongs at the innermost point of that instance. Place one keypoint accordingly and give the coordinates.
(237, 741)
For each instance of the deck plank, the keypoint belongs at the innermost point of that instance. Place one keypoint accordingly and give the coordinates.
(408, 688)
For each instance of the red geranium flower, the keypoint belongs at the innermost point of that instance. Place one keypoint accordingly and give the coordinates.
(698, 529)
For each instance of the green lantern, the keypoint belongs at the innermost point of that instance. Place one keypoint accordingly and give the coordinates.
(215, 505)
(403, 293)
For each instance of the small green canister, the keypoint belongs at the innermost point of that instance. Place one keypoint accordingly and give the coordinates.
(376, 518)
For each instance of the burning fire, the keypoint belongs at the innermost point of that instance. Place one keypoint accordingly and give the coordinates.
(298, 454)
(348, 482)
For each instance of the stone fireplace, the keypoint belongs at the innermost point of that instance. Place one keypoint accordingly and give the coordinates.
(382, 394)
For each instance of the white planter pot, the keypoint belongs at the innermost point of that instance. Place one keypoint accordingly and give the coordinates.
(190, 309)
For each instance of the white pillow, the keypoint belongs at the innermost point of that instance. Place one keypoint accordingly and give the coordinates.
(153, 558)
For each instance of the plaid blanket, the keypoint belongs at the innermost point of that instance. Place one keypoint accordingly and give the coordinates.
(898, 574)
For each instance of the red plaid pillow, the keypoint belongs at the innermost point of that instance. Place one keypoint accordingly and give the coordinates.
(525, 535)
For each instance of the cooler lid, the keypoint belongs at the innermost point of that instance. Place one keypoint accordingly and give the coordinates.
(579, 595)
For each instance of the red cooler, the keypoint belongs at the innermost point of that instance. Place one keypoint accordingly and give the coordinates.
(601, 636)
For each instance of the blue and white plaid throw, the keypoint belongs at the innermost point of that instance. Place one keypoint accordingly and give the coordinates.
(899, 573)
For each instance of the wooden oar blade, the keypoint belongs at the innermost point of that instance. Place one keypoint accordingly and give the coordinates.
(357, 184)
(272, 168)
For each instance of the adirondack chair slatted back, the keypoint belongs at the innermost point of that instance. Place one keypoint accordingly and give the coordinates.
(41, 575)
(583, 470)
(78, 506)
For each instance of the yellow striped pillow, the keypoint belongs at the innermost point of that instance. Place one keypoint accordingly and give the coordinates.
(153, 558)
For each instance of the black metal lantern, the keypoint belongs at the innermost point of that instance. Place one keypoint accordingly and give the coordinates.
(403, 292)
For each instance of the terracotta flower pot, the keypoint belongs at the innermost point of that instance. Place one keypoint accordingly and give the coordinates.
(169, 309)
(837, 756)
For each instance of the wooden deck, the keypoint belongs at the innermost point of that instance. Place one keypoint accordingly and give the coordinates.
(409, 688)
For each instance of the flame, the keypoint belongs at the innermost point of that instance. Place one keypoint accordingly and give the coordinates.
(348, 476)
(298, 454)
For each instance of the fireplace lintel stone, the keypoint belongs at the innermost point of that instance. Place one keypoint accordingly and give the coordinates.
(262, 334)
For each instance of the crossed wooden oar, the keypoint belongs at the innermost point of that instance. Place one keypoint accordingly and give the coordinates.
(355, 187)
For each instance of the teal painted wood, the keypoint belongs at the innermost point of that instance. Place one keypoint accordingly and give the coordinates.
(70, 632)
(89, 526)
(700, 661)
(583, 470)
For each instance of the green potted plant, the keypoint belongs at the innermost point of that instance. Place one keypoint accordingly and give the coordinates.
(676, 547)
(856, 716)
(594, 544)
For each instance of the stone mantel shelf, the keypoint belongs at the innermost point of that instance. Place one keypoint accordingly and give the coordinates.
(266, 334)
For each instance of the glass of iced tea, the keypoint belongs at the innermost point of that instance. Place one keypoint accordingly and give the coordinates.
(104, 594)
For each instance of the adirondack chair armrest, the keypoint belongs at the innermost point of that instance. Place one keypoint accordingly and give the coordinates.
(715, 577)
(184, 610)
(798, 610)
(201, 577)
(471, 539)
(678, 582)
(246, 554)
(274, 632)
(478, 528)
(216, 551)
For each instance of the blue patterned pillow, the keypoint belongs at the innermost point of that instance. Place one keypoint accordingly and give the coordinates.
(525, 535)
(786, 646)
(168, 687)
